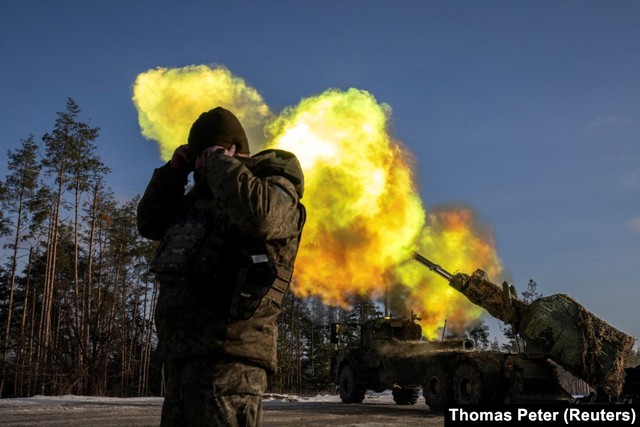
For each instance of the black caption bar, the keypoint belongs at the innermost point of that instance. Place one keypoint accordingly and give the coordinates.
(542, 415)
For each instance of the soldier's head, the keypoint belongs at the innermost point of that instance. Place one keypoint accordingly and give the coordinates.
(217, 127)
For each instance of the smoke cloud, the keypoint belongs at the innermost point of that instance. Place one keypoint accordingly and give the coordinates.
(365, 215)
(170, 100)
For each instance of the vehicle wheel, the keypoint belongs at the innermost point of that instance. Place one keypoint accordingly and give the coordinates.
(349, 391)
(406, 396)
(468, 385)
(436, 388)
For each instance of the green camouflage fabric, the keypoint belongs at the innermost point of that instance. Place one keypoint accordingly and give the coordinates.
(202, 392)
(190, 312)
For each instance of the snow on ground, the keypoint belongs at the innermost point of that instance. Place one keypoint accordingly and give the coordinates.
(333, 398)
(280, 410)
(72, 400)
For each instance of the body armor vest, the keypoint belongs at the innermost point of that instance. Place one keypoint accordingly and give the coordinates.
(233, 271)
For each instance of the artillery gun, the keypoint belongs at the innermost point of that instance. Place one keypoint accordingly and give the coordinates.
(391, 353)
(555, 327)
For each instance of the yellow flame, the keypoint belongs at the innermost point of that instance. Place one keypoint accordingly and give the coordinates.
(363, 211)
(170, 100)
(454, 238)
(365, 216)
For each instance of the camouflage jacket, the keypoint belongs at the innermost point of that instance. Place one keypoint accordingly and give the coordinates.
(234, 205)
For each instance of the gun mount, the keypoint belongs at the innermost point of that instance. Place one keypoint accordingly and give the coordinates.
(555, 327)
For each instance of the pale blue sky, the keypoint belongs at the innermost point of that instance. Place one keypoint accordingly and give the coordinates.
(529, 111)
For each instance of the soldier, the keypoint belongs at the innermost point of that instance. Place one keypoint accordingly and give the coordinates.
(224, 262)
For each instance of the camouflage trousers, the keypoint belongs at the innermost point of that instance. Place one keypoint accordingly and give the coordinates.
(213, 393)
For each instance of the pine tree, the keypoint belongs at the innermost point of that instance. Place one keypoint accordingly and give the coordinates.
(479, 333)
(68, 151)
(20, 194)
(363, 309)
(4, 221)
(76, 315)
(96, 210)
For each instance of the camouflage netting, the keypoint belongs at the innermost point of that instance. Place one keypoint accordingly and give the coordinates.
(583, 344)
(557, 325)
(486, 294)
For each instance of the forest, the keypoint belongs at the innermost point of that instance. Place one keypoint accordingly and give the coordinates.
(76, 295)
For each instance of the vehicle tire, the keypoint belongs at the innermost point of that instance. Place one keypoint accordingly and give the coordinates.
(436, 387)
(468, 385)
(349, 390)
(405, 396)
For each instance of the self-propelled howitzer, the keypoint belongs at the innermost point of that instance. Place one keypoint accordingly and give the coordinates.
(556, 327)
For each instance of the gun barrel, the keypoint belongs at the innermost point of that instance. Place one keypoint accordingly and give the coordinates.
(432, 266)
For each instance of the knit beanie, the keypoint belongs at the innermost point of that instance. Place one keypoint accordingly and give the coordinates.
(217, 127)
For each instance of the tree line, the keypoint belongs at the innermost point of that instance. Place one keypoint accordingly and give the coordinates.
(77, 299)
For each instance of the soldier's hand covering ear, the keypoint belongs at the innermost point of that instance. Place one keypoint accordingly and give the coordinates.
(182, 160)
(229, 152)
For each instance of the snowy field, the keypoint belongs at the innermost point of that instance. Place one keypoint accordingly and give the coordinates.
(70, 401)
(280, 410)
